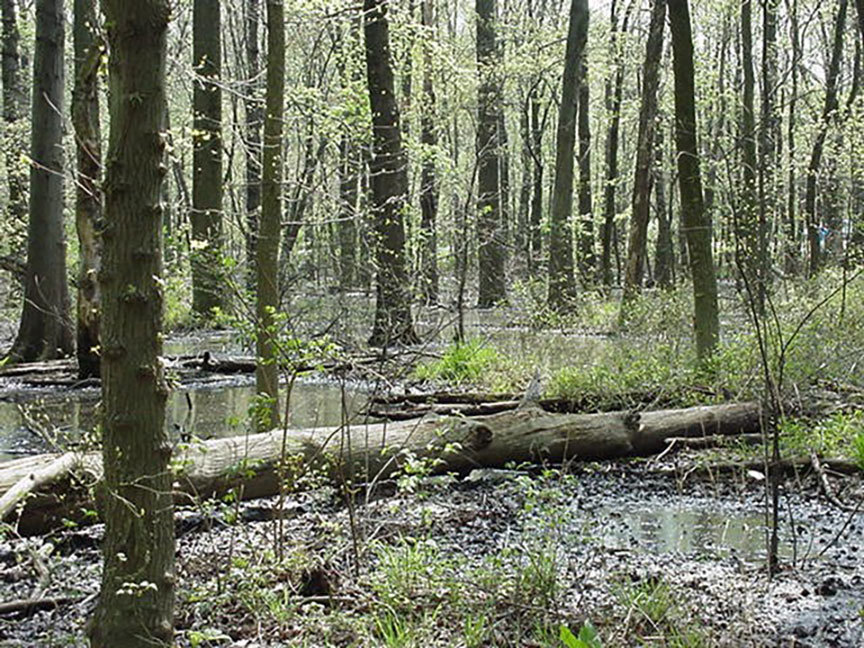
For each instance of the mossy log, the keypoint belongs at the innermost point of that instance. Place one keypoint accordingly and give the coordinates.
(39, 491)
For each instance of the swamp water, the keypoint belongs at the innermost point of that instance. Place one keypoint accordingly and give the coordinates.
(219, 407)
(212, 408)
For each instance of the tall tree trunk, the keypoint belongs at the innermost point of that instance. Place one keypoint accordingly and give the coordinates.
(492, 287)
(859, 5)
(504, 184)
(535, 219)
(270, 226)
(136, 604)
(791, 240)
(14, 113)
(207, 289)
(614, 95)
(664, 259)
(428, 176)
(46, 330)
(698, 229)
(769, 129)
(814, 227)
(522, 235)
(562, 284)
(587, 260)
(254, 119)
(746, 220)
(645, 157)
(349, 178)
(393, 323)
(88, 195)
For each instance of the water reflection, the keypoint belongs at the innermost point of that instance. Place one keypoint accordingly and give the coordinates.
(688, 528)
(206, 411)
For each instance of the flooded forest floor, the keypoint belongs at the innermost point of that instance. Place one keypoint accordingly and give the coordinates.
(665, 551)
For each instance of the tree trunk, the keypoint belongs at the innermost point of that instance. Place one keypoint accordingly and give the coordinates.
(393, 323)
(428, 177)
(614, 95)
(349, 178)
(746, 220)
(792, 247)
(88, 193)
(136, 604)
(269, 229)
(45, 331)
(492, 288)
(562, 283)
(207, 277)
(664, 259)
(535, 219)
(859, 5)
(645, 157)
(815, 232)
(514, 436)
(769, 131)
(254, 119)
(586, 258)
(706, 319)
(14, 112)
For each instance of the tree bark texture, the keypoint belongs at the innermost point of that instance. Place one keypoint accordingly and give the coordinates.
(393, 323)
(535, 217)
(645, 156)
(746, 218)
(136, 604)
(46, 330)
(461, 443)
(269, 228)
(88, 192)
(429, 189)
(562, 283)
(664, 256)
(254, 119)
(792, 231)
(769, 140)
(585, 255)
(697, 227)
(207, 288)
(614, 97)
(829, 111)
(490, 224)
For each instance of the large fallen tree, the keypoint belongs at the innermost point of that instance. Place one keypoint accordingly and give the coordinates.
(39, 492)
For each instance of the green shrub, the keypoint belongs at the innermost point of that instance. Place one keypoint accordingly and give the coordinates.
(838, 435)
(461, 362)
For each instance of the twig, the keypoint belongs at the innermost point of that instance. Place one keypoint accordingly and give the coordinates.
(824, 484)
(29, 606)
(845, 526)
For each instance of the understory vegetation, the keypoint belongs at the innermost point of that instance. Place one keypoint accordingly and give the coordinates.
(412, 584)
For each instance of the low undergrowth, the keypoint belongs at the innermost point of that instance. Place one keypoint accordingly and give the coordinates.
(813, 334)
(513, 580)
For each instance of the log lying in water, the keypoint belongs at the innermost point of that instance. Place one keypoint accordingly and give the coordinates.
(372, 452)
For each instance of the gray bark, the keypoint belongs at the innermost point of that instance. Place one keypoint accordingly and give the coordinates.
(136, 603)
(46, 330)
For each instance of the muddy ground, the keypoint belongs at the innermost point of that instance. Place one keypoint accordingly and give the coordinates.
(653, 558)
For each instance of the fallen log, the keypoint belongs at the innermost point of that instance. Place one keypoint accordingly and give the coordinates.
(44, 495)
(239, 364)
